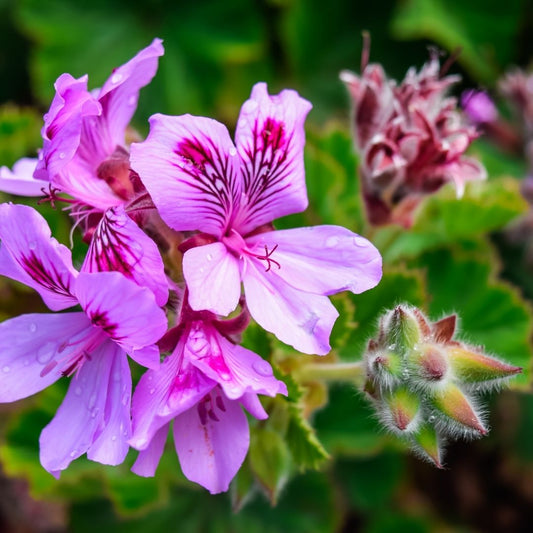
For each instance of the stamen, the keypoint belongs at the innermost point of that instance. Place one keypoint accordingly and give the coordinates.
(267, 257)
(51, 196)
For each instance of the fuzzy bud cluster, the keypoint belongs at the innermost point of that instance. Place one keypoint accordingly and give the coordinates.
(425, 386)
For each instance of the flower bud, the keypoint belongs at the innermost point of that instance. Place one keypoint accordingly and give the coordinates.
(453, 403)
(475, 368)
(402, 329)
(429, 363)
(429, 444)
(402, 410)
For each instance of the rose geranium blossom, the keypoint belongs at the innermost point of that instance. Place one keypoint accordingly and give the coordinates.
(201, 387)
(199, 180)
(117, 317)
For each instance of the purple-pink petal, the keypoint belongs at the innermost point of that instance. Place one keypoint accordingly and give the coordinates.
(20, 180)
(81, 417)
(29, 254)
(213, 279)
(165, 392)
(237, 370)
(110, 444)
(321, 259)
(148, 459)
(120, 93)
(270, 139)
(191, 170)
(126, 312)
(119, 245)
(300, 319)
(31, 350)
(212, 441)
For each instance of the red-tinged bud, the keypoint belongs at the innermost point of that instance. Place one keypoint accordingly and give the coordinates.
(384, 368)
(452, 402)
(429, 363)
(428, 443)
(444, 329)
(476, 368)
(403, 410)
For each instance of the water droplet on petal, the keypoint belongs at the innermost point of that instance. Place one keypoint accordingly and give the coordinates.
(33, 327)
(95, 412)
(73, 453)
(92, 401)
(125, 399)
(32, 245)
(132, 100)
(114, 438)
(6, 369)
(116, 78)
(226, 376)
(209, 257)
(331, 242)
(232, 151)
(361, 242)
(78, 391)
(262, 368)
(62, 155)
(152, 391)
(249, 106)
(46, 352)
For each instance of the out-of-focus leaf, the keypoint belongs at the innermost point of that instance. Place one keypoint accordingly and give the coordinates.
(484, 29)
(19, 133)
(347, 425)
(391, 522)
(370, 482)
(492, 313)
(443, 218)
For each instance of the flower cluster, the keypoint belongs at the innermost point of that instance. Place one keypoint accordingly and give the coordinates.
(175, 225)
(410, 137)
(425, 385)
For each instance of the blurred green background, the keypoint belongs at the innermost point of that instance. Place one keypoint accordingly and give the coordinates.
(214, 52)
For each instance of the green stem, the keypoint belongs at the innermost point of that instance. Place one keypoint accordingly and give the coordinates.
(331, 372)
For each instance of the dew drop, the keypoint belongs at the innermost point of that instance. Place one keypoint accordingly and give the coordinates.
(33, 327)
(116, 78)
(46, 352)
(73, 453)
(431, 419)
(152, 391)
(6, 369)
(360, 242)
(114, 438)
(32, 245)
(132, 100)
(392, 347)
(331, 242)
(232, 151)
(62, 155)
(262, 368)
(209, 257)
(249, 106)
(92, 401)
(125, 399)
(224, 375)
(94, 412)
(78, 391)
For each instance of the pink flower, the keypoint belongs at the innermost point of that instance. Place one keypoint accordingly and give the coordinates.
(199, 180)
(117, 317)
(202, 388)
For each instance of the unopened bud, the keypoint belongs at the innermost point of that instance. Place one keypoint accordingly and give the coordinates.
(429, 444)
(454, 404)
(402, 329)
(476, 368)
(402, 410)
(429, 363)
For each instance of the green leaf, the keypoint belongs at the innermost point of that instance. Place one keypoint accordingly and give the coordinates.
(19, 133)
(269, 460)
(492, 313)
(484, 29)
(306, 449)
(443, 218)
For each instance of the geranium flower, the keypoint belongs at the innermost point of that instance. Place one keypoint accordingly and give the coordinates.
(199, 180)
(201, 388)
(117, 317)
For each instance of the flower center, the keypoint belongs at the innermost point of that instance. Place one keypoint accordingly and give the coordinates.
(238, 247)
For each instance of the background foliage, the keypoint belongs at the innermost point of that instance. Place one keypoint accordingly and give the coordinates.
(320, 463)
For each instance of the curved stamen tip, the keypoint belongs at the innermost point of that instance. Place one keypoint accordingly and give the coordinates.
(267, 257)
